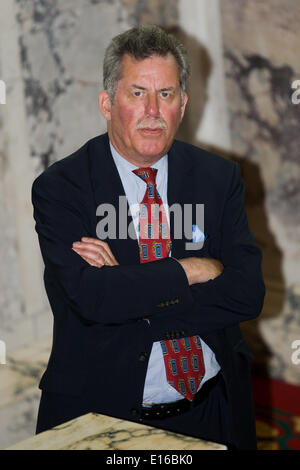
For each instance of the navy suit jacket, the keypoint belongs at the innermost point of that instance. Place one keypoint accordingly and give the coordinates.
(100, 341)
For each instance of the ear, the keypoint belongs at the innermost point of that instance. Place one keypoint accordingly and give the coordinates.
(182, 107)
(105, 104)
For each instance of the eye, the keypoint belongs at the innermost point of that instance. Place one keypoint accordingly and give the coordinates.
(138, 94)
(164, 94)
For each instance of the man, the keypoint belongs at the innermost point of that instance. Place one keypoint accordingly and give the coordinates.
(147, 329)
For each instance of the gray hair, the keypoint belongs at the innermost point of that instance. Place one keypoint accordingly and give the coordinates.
(142, 42)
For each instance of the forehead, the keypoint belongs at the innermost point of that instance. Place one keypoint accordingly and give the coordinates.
(152, 69)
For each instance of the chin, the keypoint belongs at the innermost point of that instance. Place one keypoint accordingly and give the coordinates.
(152, 149)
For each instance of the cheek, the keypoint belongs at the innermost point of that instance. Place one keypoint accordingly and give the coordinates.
(128, 117)
(172, 117)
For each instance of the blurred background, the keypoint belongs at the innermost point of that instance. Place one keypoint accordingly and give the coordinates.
(245, 60)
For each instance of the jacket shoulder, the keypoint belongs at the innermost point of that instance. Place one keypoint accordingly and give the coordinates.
(214, 171)
(70, 171)
(202, 158)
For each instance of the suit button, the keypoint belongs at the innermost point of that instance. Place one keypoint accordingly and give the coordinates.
(168, 336)
(182, 333)
(172, 334)
(177, 334)
(134, 412)
(167, 303)
(143, 356)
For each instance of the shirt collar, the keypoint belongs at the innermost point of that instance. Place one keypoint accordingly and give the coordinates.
(120, 161)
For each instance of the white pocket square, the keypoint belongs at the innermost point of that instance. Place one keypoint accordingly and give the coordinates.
(198, 235)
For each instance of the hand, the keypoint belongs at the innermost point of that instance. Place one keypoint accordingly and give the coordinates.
(201, 269)
(95, 252)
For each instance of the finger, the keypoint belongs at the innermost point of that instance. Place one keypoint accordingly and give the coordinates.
(92, 256)
(101, 243)
(92, 262)
(96, 253)
(89, 260)
(90, 247)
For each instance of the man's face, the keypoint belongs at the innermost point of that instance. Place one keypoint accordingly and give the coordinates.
(146, 112)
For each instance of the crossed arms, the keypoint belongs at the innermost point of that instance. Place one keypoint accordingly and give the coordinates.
(98, 253)
(215, 293)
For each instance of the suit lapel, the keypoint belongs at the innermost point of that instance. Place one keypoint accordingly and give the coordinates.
(108, 188)
(180, 192)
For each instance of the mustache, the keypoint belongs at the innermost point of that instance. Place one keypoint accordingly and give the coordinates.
(152, 124)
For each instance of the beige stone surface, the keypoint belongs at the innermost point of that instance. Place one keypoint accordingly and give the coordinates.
(19, 393)
(261, 63)
(100, 432)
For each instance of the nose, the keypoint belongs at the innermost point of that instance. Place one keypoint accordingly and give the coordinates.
(152, 106)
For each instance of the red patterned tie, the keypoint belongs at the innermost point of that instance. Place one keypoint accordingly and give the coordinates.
(183, 357)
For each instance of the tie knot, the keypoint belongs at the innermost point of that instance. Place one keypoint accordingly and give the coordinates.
(147, 174)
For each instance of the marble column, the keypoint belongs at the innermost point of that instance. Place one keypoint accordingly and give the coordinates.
(208, 117)
(23, 302)
(262, 62)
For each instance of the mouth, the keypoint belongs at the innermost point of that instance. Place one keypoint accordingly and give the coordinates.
(151, 130)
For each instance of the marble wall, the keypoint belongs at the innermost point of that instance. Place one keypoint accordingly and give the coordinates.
(261, 62)
(22, 295)
(244, 59)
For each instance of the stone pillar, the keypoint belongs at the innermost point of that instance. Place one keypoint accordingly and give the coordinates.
(201, 21)
(22, 292)
(262, 62)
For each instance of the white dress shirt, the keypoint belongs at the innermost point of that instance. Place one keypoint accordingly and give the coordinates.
(156, 388)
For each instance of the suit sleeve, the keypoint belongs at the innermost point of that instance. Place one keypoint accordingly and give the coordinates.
(107, 295)
(237, 294)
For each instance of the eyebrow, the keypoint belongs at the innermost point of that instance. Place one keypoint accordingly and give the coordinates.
(170, 88)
